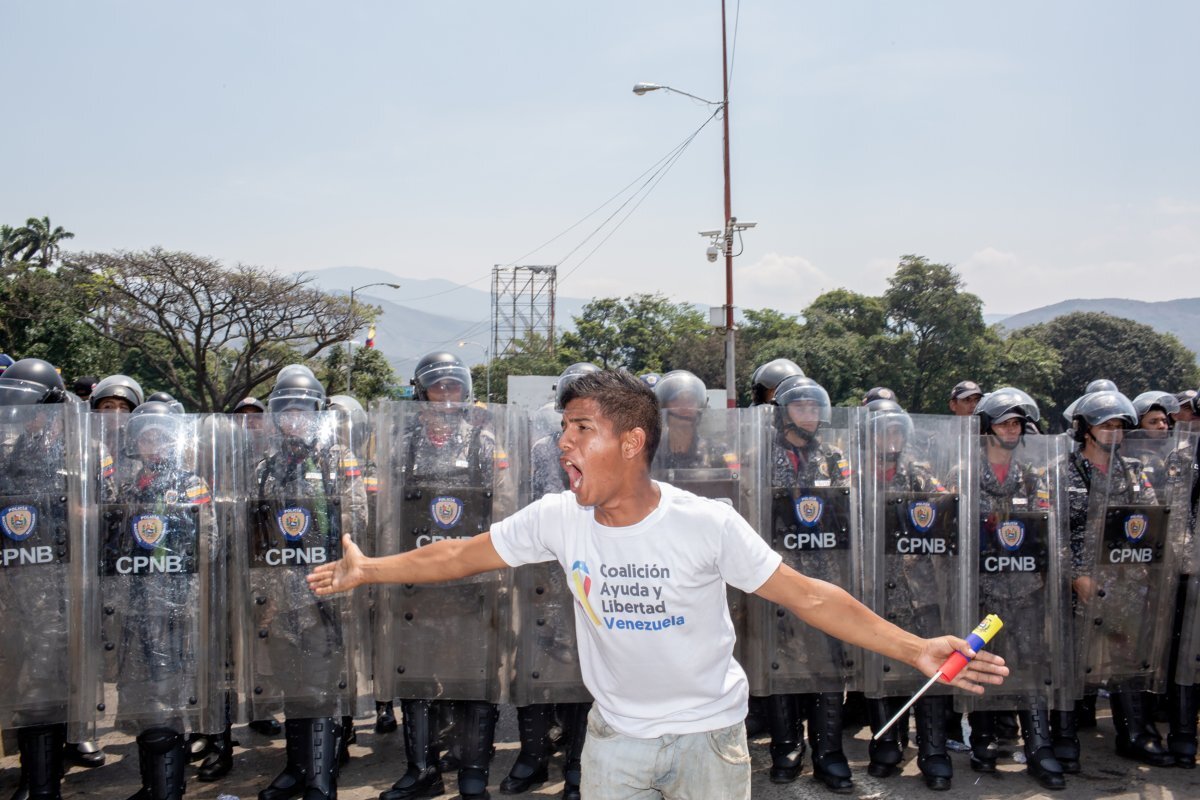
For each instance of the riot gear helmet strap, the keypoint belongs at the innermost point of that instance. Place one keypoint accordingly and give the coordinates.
(768, 376)
(31, 381)
(437, 367)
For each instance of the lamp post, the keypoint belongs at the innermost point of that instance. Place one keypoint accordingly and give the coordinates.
(350, 342)
(487, 356)
(731, 224)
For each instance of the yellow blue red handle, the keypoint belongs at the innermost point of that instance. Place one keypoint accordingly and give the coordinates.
(977, 639)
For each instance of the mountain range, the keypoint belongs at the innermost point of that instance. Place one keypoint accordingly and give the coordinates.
(425, 314)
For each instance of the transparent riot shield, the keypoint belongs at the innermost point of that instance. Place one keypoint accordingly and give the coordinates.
(807, 508)
(41, 458)
(155, 627)
(1129, 574)
(303, 490)
(1024, 563)
(445, 471)
(714, 453)
(1187, 664)
(543, 648)
(919, 535)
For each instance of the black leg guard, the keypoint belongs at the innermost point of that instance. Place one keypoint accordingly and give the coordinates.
(529, 770)
(347, 738)
(290, 782)
(1065, 735)
(1137, 738)
(321, 758)
(1181, 741)
(41, 748)
(385, 717)
(1040, 761)
(477, 732)
(888, 750)
(830, 766)
(422, 778)
(984, 748)
(787, 738)
(932, 758)
(163, 756)
(219, 761)
(574, 720)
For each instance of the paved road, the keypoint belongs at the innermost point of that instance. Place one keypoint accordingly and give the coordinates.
(379, 760)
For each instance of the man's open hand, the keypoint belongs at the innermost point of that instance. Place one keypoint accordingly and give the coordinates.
(984, 668)
(342, 575)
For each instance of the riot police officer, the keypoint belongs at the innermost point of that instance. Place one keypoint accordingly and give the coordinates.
(119, 393)
(34, 592)
(766, 378)
(308, 495)
(683, 397)
(1098, 471)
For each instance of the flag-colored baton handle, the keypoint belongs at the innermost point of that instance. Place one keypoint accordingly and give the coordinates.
(976, 639)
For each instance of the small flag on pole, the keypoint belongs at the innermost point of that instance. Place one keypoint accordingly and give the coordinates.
(371, 337)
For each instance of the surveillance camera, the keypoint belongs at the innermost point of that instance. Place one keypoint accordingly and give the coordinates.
(713, 252)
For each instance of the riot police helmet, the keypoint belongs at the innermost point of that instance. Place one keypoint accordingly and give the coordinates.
(31, 381)
(298, 390)
(169, 399)
(651, 379)
(121, 388)
(249, 405)
(1146, 402)
(441, 369)
(6, 361)
(765, 379)
(885, 417)
(1101, 385)
(152, 418)
(1005, 404)
(356, 415)
(802, 390)
(569, 376)
(680, 390)
(878, 393)
(1098, 408)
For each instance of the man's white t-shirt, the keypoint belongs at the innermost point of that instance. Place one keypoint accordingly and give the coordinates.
(653, 627)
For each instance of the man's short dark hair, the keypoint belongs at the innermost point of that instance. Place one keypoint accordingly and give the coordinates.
(624, 400)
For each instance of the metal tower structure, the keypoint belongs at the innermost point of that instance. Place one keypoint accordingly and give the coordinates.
(522, 303)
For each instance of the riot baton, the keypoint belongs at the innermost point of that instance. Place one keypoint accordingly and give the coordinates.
(953, 665)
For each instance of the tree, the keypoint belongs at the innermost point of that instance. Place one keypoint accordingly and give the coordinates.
(1092, 345)
(532, 357)
(210, 334)
(37, 238)
(371, 374)
(634, 333)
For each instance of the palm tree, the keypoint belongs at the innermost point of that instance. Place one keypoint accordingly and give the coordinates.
(7, 235)
(37, 237)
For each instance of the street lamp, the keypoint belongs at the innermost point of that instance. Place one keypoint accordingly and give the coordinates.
(731, 223)
(350, 342)
(487, 359)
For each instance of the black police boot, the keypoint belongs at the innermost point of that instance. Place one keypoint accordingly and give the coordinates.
(1065, 736)
(219, 761)
(385, 717)
(932, 758)
(1040, 761)
(787, 738)
(574, 722)
(1137, 738)
(321, 758)
(984, 749)
(476, 735)
(529, 770)
(830, 766)
(347, 738)
(888, 750)
(266, 727)
(41, 748)
(290, 782)
(422, 778)
(1085, 712)
(1181, 741)
(163, 758)
(84, 754)
(1005, 723)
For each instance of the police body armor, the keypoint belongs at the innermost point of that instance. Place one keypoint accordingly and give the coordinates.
(440, 469)
(808, 505)
(719, 461)
(1024, 574)
(301, 654)
(545, 654)
(919, 536)
(41, 458)
(1130, 570)
(155, 618)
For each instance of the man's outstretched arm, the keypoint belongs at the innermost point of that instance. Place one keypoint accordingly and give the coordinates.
(440, 561)
(833, 610)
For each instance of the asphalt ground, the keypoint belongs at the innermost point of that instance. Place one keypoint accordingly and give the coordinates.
(379, 760)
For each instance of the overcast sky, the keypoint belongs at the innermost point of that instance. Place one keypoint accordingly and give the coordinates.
(1048, 150)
